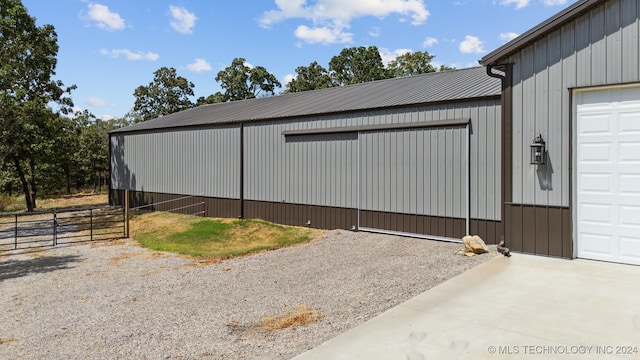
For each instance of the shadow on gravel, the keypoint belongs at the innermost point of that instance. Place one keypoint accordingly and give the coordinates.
(17, 268)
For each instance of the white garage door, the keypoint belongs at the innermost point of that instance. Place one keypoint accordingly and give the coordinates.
(608, 175)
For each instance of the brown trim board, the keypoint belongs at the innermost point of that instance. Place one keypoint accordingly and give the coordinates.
(348, 129)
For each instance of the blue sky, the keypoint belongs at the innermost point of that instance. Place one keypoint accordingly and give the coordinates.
(110, 47)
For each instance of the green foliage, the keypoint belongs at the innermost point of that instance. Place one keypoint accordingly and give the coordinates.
(360, 64)
(312, 77)
(166, 94)
(211, 99)
(411, 63)
(446, 68)
(222, 239)
(29, 127)
(357, 65)
(242, 82)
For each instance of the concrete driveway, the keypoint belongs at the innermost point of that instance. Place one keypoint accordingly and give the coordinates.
(522, 307)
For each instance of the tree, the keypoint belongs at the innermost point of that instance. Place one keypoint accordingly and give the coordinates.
(312, 77)
(446, 68)
(242, 82)
(357, 65)
(28, 126)
(411, 63)
(166, 94)
(218, 97)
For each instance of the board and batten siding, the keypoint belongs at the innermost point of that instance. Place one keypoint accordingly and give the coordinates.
(199, 162)
(322, 169)
(600, 47)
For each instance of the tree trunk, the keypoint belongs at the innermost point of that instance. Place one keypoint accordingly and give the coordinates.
(25, 185)
(33, 182)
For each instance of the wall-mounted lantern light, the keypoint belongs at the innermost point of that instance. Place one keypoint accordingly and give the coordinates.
(537, 151)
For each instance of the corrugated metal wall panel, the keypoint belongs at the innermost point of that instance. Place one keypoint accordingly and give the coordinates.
(597, 48)
(389, 175)
(189, 162)
(310, 177)
(630, 47)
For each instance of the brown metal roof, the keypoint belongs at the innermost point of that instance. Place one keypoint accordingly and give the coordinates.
(541, 29)
(413, 90)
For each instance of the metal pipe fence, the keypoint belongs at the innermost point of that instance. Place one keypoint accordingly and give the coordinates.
(197, 209)
(41, 229)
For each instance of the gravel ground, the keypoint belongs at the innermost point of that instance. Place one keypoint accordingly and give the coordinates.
(121, 301)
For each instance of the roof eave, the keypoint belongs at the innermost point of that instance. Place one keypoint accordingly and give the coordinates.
(514, 45)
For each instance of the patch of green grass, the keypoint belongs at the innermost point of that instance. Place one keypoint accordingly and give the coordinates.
(219, 239)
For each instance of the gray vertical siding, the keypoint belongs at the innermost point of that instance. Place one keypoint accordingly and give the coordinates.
(420, 171)
(203, 162)
(322, 169)
(598, 48)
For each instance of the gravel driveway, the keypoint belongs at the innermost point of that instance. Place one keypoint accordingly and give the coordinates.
(121, 301)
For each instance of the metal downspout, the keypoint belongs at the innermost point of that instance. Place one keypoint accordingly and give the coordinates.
(468, 179)
(241, 171)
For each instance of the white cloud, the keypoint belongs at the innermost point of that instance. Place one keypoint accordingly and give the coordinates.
(506, 37)
(388, 56)
(329, 18)
(130, 55)
(104, 18)
(323, 35)
(95, 101)
(199, 65)
(518, 3)
(374, 32)
(429, 42)
(471, 44)
(105, 117)
(288, 78)
(183, 20)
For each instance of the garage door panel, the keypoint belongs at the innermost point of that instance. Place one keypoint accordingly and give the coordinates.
(596, 214)
(596, 124)
(629, 184)
(630, 249)
(595, 153)
(608, 175)
(628, 123)
(597, 244)
(596, 183)
(630, 216)
(629, 152)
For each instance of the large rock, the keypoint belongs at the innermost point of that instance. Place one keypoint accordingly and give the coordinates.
(474, 245)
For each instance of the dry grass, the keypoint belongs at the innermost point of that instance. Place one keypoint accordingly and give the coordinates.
(116, 260)
(159, 222)
(6, 340)
(13, 204)
(303, 315)
(73, 201)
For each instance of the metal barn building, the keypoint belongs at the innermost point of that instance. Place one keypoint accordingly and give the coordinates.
(418, 155)
(540, 147)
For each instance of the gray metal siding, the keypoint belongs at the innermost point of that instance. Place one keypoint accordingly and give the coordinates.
(323, 169)
(419, 171)
(598, 48)
(190, 162)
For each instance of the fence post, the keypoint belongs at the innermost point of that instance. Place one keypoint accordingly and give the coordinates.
(15, 233)
(126, 214)
(55, 228)
(91, 224)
